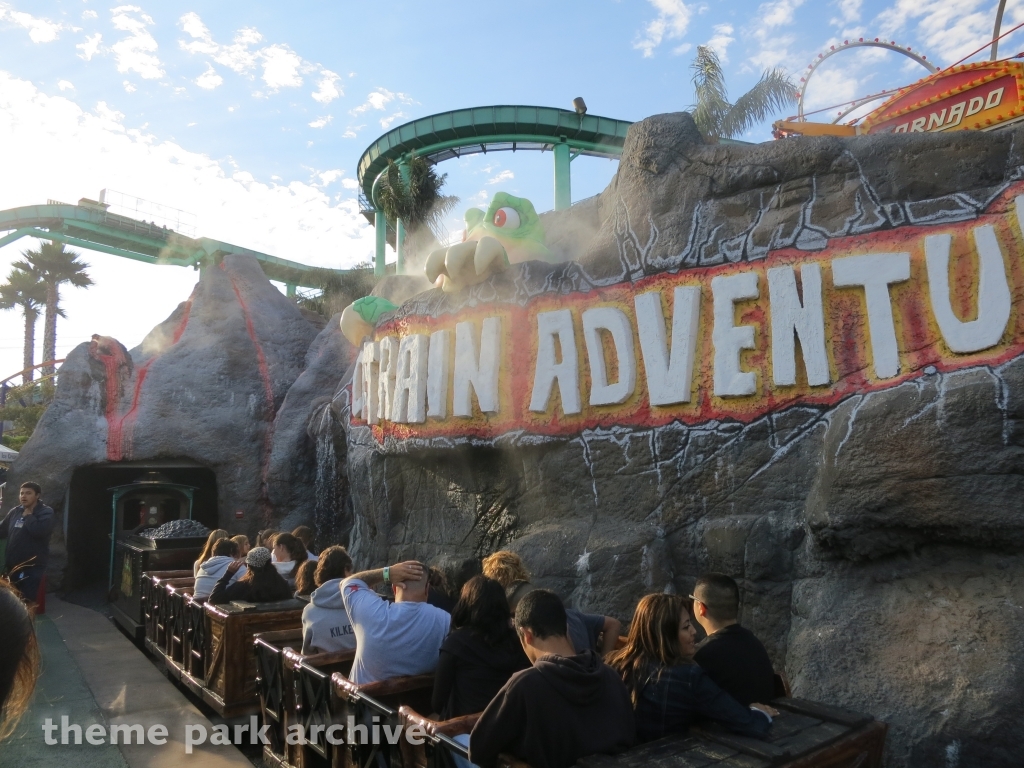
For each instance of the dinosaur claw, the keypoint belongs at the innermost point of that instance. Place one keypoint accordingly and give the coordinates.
(434, 266)
(353, 327)
(455, 259)
(490, 256)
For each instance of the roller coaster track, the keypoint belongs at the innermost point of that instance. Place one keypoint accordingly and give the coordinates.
(90, 225)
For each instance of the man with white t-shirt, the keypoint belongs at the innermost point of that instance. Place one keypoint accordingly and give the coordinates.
(393, 639)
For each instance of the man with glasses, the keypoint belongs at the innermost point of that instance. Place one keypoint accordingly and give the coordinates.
(730, 655)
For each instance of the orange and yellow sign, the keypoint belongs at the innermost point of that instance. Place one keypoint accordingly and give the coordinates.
(968, 97)
(731, 342)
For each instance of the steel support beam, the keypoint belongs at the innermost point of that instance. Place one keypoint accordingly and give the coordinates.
(380, 235)
(563, 188)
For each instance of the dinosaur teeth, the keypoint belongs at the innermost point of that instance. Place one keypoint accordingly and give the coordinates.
(490, 256)
(434, 266)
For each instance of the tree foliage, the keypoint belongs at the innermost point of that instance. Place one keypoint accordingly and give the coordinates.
(24, 290)
(337, 290)
(418, 202)
(55, 266)
(716, 116)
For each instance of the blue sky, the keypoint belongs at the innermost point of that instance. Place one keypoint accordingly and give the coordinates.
(253, 115)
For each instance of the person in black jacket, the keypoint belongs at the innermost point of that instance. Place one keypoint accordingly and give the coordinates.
(261, 584)
(670, 692)
(27, 529)
(564, 707)
(731, 655)
(481, 653)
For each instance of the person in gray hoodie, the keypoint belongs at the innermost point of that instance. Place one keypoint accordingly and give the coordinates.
(225, 552)
(325, 623)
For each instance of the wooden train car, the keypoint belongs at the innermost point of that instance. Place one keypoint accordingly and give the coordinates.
(245, 659)
(805, 734)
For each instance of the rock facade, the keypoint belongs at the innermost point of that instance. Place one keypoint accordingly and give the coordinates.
(875, 538)
(205, 385)
(876, 535)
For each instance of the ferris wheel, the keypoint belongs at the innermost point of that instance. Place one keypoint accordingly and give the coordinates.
(890, 45)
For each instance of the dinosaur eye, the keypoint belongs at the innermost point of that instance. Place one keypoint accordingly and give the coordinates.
(506, 218)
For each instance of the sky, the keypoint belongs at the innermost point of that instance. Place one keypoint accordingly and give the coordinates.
(250, 117)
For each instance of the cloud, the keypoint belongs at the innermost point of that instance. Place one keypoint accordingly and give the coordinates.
(129, 87)
(503, 176)
(831, 85)
(90, 46)
(65, 85)
(772, 49)
(378, 99)
(40, 30)
(720, 40)
(137, 52)
(56, 149)
(89, 15)
(952, 29)
(327, 87)
(328, 177)
(281, 67)
(350, 133)
(237, 56)
(321, 122)
(350, 184)
(209, 79)
(849, 12)
(671, 22)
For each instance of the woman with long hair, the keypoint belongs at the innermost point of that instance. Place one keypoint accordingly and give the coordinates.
(325, 623)
(243, 544)
(207, 552)
(669, 691)
(304, 581)
(480, 654)
(289, 553)
(19, 658)
(261, 584)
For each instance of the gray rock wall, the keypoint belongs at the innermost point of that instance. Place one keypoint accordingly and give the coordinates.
(875, 539)
(205, 386)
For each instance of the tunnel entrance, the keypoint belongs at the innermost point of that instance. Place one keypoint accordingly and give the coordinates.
(90, 513)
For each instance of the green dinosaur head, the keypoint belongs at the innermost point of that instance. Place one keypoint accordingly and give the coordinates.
(514, 223)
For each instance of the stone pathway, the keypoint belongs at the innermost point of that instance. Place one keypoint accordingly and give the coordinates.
(92, 674)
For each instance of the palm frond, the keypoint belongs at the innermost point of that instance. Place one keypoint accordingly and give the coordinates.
(774, 92)
(712, 99)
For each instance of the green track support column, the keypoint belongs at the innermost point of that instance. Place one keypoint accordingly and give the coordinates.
(403, 169)
(400, 247)
(380, 232)
(563, 188)
(290, 288)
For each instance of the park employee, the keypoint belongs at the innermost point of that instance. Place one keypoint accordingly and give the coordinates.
(27, 529)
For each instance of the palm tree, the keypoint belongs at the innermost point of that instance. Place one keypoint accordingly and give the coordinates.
(25, 290)
(55, 266)
(417, 201)
(338, 289)
(718, 118)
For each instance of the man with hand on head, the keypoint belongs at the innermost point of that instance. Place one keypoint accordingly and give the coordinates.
(393, 639)
(730, 655)
(564, 707)
(27, 529)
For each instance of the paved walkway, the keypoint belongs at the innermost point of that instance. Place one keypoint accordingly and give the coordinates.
(92, 674)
